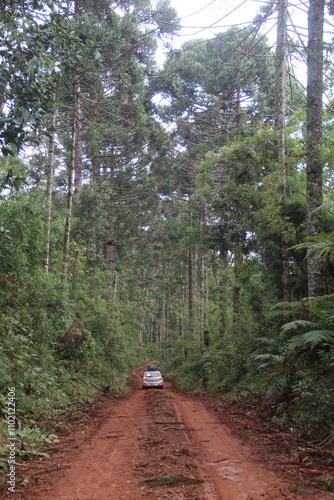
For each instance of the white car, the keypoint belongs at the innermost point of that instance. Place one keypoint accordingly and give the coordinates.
(153, 379)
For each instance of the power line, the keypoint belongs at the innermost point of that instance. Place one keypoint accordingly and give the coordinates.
(215, 23)
(198, 11)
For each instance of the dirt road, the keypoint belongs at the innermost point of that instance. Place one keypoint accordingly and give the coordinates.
(158, 436)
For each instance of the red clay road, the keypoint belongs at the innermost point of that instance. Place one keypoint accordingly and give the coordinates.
(152, 434)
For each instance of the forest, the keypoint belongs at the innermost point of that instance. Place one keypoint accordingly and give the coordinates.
(180, 210)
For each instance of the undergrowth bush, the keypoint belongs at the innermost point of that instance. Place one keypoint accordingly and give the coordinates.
(312, 404)
(52, 358)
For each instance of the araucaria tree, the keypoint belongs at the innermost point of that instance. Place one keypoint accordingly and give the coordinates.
(314, 137)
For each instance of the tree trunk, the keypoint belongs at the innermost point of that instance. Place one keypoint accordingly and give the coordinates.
(280, 118)
(199, 297)
(49, 187)
(223, 264)
(162, 327)
(205, 300)
(92, 146)
(280, 87)
(70, 190)
(78, 145)
(238, 262)
(191, 287)
(314, 159)
(238, 107)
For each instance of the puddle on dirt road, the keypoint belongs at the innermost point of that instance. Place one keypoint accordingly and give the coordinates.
(227, 471)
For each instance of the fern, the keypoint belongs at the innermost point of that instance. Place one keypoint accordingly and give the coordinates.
(297, 325)
(301, 309)
(328, 206)
(322, 244)
(267, 360)
(283, 307)
(311, 338)
(277, 388)
(266, 341)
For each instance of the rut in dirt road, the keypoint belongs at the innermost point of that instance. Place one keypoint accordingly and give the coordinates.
(159, 444)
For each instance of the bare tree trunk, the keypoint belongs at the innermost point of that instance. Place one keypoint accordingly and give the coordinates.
(199, 297)
(162, 327)
(238, 108)
(223, 266)
(191, 287)
(203, 285)
(222, 294)
(280, 117)
(205, 313)
(314, 167)
(238, 262)
(70, 191)
(92, 146)
(78, 146)
(142, 322)
(280, 86)
(109, 254)
(49, 187)
(181, 310)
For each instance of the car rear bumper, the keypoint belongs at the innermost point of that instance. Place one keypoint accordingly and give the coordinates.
(152, 384)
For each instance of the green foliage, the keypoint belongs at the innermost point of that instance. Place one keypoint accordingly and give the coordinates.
(311, 338)
(32, 440)
(22, 236)
(313, 404)
(189, 369)
(279, 388)
(315, 331)
(165, 17)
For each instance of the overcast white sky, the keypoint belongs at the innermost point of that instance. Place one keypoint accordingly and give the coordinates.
(204, 18)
